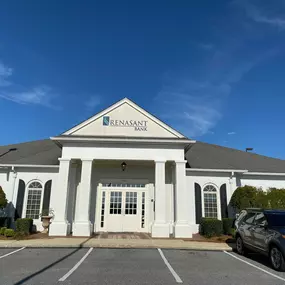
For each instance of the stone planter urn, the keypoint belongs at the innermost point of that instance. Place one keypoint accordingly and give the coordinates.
(45, 223)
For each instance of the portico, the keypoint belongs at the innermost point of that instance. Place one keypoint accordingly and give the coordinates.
(94, 194)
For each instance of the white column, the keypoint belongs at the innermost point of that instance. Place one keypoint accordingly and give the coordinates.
(184, 208)
(82, 225)
(230, 191)
(58, 202)
(160, 227)
(72, 192)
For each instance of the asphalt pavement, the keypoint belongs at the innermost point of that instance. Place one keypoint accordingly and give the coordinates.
(76, 266)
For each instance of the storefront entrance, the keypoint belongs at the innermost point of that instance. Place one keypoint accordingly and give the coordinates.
(123, 207)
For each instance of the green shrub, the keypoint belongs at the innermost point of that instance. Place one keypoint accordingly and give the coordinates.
(9, 233)
(211, 227)
(2, 230)
(233, 233)
(24, 225)
(227, 225)
(20, 235)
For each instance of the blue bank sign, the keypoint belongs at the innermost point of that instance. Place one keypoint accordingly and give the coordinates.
(137, 125)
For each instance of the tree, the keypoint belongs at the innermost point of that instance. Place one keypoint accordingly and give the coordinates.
(276, 198)
(252, 197)
(3, 200)
(248, 197)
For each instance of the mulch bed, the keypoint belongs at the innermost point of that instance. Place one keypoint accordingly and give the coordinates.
(196, 237)
(220, 239)
(31, 236)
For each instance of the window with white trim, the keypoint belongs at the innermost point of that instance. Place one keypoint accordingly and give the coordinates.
(34, 198)
(210, 201)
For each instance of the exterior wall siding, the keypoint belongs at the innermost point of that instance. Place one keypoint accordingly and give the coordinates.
(10, 181)
(218, 179)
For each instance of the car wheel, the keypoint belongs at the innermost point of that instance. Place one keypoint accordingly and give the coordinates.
(240, 246)
(277, 259)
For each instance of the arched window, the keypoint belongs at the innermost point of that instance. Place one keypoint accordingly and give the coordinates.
(210, 202)
(34, 200)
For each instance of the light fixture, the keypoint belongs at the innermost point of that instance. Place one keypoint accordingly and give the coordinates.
(123, 166)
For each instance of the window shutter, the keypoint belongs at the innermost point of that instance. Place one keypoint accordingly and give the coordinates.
(20, 199)
(198, 203)
(224, 204)
(47, 191)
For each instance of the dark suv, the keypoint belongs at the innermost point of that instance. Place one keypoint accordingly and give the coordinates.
(262, 231)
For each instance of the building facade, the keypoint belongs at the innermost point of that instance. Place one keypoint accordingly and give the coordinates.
(124, 170)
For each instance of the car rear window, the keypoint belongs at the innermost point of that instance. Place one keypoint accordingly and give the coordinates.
(276, 219)
(249, 218)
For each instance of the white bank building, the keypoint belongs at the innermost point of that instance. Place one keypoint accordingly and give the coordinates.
(124, 170)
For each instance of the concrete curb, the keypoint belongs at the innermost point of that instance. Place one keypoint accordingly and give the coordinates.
(116, 243)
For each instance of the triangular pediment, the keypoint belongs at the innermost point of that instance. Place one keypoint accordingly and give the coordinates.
(126, 119)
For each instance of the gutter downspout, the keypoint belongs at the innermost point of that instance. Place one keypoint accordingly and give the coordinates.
(13, 199)
(231, 182)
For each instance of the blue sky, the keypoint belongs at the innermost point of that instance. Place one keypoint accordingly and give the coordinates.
(214, 70)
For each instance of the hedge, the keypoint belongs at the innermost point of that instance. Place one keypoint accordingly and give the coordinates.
(9, 233)
(5, 222)
(211, 227)
(2, 230)
(24, 225)
(228, 226)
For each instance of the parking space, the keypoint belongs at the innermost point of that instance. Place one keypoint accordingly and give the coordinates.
(260, 263)
(38, 266)
(123, 266)
(202, 267)
(5, 251)
(133, 266)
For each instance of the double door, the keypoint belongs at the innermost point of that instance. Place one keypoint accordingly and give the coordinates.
(123, 210)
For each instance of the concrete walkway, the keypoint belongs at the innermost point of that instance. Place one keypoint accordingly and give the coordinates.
(115, 243)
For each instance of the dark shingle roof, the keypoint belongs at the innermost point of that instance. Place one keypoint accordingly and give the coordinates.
(42, 152)
(210, 156)
(200, 155)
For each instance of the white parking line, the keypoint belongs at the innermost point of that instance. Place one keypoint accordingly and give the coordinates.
(7, 254)
(261, 269)
(63, 278)
(175, 275)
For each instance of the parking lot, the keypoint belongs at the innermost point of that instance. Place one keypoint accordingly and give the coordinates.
(132, 266)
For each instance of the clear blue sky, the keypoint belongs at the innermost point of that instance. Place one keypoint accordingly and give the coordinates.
(214, 70)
